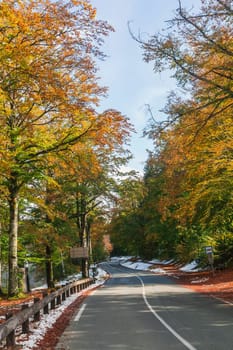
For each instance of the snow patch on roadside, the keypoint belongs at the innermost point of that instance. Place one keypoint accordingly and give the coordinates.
(138, 265)
(142, 266)
(200, 280)
(191, 267)
(159, 270)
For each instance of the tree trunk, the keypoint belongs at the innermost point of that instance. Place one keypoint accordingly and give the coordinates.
(85, 268)
(88, 229)
(85, 264)
(48, 249)
(13, 244)
(81, 225)
(49, 267)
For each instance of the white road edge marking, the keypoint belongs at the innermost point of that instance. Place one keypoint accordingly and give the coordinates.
(79, 314)
(181, 339)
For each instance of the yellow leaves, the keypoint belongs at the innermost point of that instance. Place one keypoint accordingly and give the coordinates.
(48, 89)
(198, 164)
(41, 57)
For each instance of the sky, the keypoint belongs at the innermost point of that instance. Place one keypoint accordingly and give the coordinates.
(131, 82)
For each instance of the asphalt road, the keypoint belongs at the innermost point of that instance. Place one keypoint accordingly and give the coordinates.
(144, 311)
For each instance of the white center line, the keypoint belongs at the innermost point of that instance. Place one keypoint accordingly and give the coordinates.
(181, 339)
(79, 314)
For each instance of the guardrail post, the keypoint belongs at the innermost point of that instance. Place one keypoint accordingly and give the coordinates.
(53, 304)
(68, 292)
(25, 325)
(10, 339)
(59, 299)
(46, 307)
(37, 314)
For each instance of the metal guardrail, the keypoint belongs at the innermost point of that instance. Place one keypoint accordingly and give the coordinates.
(22, 318)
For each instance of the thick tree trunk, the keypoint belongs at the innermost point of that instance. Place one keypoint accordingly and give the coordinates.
(49, 267)
(13, 245)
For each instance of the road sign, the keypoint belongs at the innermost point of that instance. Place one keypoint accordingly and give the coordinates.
(78, 252)
(209, 249)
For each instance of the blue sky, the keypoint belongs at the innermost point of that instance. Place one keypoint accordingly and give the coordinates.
(131, 82)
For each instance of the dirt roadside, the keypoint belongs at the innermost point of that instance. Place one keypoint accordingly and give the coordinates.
(217, 284)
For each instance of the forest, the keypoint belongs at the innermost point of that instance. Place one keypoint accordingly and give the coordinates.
(184, 201)
(61, 183)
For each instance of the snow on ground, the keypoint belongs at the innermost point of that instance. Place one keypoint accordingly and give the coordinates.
(101, 274)
(48, 320)
(200, 280)
(155, 261)
(140, 265)
(158, 270)
(161, 262)
(143, 266)
(191, 267)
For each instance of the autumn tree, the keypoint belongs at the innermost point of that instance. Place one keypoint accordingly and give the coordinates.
(197, 147)
(48, 85)
(195, 140)
(75, 193)
(88, 172)
(197, 47)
